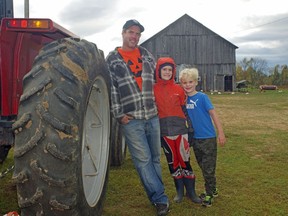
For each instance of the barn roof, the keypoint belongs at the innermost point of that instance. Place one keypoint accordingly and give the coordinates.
(179, 20)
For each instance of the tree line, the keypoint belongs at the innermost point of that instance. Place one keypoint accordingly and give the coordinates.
(257, 72)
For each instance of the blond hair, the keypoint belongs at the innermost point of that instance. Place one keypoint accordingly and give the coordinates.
(189, 73)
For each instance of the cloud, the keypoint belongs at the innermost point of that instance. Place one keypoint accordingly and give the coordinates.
(258, 29)
(88, 17)
(264, 37)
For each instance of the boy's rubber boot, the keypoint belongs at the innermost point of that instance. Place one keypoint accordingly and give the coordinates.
(179, 184)
(190, 189)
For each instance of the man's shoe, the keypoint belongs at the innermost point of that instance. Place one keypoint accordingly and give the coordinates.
(207, 202)
(162, 209)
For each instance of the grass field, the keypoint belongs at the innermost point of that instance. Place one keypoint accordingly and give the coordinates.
(252, 176)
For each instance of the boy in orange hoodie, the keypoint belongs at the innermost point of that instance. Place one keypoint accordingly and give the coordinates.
(170, 100)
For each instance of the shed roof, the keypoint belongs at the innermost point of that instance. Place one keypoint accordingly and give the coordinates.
(186, 16)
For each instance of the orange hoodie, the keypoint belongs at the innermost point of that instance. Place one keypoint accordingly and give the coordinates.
(170, 100)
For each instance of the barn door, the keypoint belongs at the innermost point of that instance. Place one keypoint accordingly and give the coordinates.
(228, 85)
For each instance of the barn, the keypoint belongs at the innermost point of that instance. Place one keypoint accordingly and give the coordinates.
(192, 44)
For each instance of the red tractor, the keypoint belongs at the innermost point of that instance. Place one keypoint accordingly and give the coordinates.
(55, 114)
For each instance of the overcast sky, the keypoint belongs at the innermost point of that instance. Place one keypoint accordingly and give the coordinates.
(259, 28)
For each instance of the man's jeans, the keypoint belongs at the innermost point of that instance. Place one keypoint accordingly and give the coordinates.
(143, 140)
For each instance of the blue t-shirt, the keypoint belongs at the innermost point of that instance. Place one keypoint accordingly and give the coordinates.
(198, 107)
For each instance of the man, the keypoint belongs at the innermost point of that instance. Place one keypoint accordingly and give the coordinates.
(131, 69)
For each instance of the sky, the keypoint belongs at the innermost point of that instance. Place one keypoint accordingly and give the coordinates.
(258, 28)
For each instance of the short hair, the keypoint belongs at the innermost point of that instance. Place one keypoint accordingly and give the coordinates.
(189, 73)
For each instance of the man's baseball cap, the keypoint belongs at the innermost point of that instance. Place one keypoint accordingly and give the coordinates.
(133, 22)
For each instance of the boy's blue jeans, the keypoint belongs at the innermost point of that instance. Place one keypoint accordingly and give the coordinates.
(143, 140)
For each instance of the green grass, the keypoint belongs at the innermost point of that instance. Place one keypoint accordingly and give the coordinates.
(8, 194)
(252, 171)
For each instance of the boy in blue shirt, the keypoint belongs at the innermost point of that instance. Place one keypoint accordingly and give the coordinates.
(202, 113)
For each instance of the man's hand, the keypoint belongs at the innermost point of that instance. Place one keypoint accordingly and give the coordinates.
(126, 118)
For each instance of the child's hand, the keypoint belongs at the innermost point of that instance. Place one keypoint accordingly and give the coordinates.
(221, 139)
(190, 138)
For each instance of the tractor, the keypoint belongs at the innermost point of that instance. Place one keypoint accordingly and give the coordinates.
(55, 116)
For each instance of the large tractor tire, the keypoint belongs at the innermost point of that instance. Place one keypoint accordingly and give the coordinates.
(118, 146)
(62, 141)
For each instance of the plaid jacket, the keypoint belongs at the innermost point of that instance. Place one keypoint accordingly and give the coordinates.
(126, 97)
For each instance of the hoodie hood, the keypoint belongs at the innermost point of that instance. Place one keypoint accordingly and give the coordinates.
(164, 61)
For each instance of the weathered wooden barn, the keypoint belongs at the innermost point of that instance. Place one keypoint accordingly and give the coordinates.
(192, 44)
